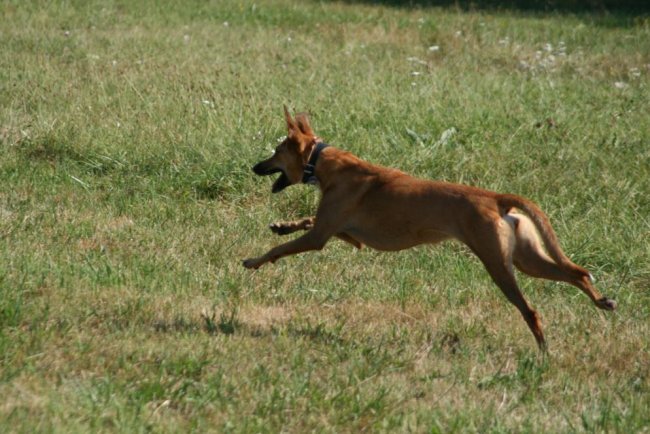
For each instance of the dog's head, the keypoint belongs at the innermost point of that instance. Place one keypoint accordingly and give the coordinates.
(291, 155)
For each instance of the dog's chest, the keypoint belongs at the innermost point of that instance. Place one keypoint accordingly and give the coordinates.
(386, 239)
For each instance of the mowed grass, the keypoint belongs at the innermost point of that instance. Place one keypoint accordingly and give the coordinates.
(127, 133)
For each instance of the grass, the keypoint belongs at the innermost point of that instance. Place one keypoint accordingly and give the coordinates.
(127, 133)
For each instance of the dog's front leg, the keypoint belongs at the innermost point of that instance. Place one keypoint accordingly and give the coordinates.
(329, 220)
(284, 228)
(312, 240)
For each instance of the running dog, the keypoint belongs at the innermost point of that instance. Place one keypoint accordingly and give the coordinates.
(386, 209)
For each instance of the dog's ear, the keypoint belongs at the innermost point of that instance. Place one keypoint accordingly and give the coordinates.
(291, 124)
(303, 123)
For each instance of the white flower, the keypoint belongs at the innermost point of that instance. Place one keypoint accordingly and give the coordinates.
(620, 85)
(416, 60)
(434, 48)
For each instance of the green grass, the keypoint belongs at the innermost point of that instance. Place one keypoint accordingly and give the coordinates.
(127, 133)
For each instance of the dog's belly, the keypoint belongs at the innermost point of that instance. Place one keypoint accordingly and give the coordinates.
(392, 239)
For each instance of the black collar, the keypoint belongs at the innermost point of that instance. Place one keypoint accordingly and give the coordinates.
(308, 175)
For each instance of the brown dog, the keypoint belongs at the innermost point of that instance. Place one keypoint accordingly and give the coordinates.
(389, 210)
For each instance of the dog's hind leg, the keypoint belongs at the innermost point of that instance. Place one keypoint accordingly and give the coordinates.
(495, 247)
(284, 228)
(530, 258)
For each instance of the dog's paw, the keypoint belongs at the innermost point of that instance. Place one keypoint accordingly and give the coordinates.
(606, 303)
(280, 228)
(251, 263)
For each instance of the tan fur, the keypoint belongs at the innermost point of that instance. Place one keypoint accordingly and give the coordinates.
(388, 210)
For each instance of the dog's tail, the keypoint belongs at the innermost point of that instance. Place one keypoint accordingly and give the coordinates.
(508, 201)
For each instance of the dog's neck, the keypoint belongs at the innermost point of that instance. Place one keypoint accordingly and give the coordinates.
(309, 172)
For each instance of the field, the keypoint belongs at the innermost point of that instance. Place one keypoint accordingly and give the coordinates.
(127, 133)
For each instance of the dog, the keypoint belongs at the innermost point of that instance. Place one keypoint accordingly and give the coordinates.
(388, 210)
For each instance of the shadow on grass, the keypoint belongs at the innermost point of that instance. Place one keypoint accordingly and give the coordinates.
(604, 13)
(611, 6)
(227, 323)
(303, 329)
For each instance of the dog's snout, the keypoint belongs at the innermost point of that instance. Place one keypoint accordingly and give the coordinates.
(263, 168)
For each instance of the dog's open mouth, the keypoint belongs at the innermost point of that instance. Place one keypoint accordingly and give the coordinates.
(280, 184)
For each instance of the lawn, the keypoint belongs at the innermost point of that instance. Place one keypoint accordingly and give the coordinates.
(127, 133)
